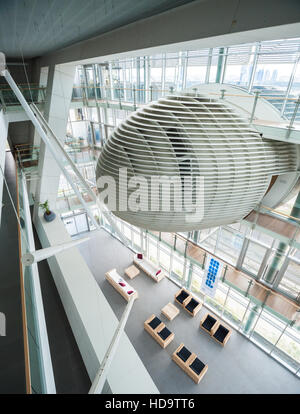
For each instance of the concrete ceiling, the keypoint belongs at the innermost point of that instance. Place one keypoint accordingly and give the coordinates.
(36, 27)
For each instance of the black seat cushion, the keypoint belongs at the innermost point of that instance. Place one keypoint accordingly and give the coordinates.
(182, 296)
(184, 354)
(209, 322)
(191, 305)
(197, 366)
(164, 333)
(154, 323)
(221, 333)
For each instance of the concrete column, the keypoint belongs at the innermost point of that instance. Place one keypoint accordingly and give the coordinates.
(3, 141)
(251, 319)
(196, 235)
(220, 65)
(58, 98)
(276, 263)
(281, 251)
(147, 74)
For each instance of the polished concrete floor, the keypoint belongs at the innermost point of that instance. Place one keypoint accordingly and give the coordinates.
(70, 374)
(240, 367)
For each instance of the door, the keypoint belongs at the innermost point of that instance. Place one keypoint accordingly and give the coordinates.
(81, 223)
(70, 226)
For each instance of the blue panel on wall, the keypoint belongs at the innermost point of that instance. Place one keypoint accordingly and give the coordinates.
(213, 270)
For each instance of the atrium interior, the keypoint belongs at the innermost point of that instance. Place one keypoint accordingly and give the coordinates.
(131, 90)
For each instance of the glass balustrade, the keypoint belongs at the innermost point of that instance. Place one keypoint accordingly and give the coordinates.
(38, 373)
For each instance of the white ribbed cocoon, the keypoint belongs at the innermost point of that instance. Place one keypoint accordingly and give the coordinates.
(195, 135)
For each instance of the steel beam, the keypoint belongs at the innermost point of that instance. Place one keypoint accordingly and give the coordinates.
(37, 255)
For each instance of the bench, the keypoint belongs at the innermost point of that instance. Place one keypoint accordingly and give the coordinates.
(189, 363)
(121, 285)
(158, 330)
(188, 302)
(216, 330)
(151, 270)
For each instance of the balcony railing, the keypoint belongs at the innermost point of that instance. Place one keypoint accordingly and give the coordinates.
(31, 92)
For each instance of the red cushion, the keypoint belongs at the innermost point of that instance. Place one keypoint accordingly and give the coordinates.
(130, 292)
(122, 284)
(139, 255)
(158, 272)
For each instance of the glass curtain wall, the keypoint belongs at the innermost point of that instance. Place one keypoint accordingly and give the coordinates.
(271, 68)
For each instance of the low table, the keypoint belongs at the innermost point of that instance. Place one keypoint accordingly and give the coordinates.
(170, 311)
(132, 272)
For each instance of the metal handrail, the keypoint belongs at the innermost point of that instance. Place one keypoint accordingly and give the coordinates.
(168, 91)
